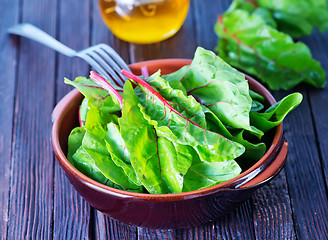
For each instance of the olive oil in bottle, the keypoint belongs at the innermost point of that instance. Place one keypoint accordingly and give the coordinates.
(144, 21)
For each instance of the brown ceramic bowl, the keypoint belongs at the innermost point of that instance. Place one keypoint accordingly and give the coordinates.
(165, 210)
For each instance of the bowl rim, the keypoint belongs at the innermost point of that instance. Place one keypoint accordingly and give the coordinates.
(232, 184)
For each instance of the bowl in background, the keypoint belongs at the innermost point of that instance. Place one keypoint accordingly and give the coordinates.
(165, 211)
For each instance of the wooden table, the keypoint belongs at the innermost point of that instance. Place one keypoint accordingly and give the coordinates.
(36, 199)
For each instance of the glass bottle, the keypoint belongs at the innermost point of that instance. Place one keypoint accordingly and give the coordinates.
(144, 21)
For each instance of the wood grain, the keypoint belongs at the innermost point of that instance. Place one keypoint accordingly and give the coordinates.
(153, 234)
(207, 231)
(8, 65)
(71, 212)
(238, 224)
(205, 18)
(318, 101)
(31, 196)
(304, 173)
(108, 228)
(272, 211)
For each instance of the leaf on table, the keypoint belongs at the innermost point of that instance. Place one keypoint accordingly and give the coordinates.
(247, 43)
(294, 17)
(266, 15)
(276, 113)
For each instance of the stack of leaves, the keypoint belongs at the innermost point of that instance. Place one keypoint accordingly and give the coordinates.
(257, 37)
(174, 133)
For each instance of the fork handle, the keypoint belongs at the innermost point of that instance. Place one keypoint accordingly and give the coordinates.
(30, 31)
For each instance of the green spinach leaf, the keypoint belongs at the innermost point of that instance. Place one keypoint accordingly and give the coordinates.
(95, 145)
(205, 174)
(186, 105)
(171, 124)
(247, 43)
(254, 151)
(276, 113)
(97, 96)
(142, 143)
(218, 86)
(79, 158)
(118, 151)
(86, 165)
(294, 17)
(74, 142)
(178, 138)
(83, 112)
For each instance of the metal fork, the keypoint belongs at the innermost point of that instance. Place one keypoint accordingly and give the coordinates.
(101, 57)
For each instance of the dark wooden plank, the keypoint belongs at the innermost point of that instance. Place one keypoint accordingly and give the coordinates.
(304, 173)
(238, 224)
(206, 15)
(71, 212)
(31, 202)
(319, 97)
(154, 234)
(73, 31)
(319, 105)
(272, 211)
(207, 231)
(108, 228)
(8, 64)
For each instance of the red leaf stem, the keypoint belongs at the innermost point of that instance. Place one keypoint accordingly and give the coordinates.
(155, 93)
(106, 85)
(80, 119)
(253, 2)
(144, 72)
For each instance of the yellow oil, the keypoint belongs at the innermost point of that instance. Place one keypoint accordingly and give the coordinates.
(144, 21)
